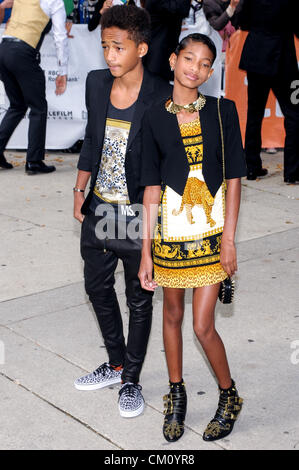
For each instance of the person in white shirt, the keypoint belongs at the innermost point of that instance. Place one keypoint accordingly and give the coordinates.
(23, 78)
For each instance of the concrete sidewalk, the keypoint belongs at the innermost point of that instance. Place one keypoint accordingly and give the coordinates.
(49, 336)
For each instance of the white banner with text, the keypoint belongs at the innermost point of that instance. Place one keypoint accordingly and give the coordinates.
(67, 114)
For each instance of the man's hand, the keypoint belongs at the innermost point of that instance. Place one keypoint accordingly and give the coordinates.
(68, 27)
(78, 203)
(234, 3)
(61, 81)
(107, 4)
(146, 274)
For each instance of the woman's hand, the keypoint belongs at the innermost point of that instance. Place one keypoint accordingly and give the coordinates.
(107, 4)
(228, 257)
(146, 273)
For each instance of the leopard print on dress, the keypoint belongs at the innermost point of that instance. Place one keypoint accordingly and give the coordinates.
(196, 193)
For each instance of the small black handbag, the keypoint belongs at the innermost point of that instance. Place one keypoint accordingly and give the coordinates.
(227, 287)
(227, 291)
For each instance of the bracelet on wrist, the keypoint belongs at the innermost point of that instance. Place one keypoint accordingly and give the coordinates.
(78, 190)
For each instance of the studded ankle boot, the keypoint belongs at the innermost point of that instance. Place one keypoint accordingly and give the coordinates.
(229, 407)
(175, 412)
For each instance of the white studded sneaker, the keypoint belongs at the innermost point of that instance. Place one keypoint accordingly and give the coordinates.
(131, 401)
(103, 376)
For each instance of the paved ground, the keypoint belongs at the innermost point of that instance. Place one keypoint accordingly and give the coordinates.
(48, 334)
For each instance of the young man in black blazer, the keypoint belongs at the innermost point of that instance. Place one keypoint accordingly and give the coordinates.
(116, 100)
(269, 57)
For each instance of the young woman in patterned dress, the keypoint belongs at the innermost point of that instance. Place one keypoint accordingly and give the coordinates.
(194, 226)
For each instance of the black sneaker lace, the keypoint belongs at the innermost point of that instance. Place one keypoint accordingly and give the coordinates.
(102, 369)
(130, 390)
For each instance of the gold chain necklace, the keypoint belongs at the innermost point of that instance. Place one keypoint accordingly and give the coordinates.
(197, 105)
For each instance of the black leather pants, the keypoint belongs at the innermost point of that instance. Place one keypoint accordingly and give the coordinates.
(100, 261)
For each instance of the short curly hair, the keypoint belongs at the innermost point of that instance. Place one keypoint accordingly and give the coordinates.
(129, 18)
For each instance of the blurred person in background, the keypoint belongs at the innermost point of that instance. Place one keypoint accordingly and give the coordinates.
(69, 9)
(220, 13)
(269, 58)
(92, 7)
(80, 13)
(223, 15)
(197, 23)
(99, 9)
(166, 24)
(23, 78)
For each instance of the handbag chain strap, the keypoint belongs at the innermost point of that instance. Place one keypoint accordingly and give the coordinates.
(222, 142)
(223, 161)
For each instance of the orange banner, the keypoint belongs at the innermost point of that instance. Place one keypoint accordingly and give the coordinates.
(273, 133)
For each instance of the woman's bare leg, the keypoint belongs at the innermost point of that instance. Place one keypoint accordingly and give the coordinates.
(173, 313)
(204, 302)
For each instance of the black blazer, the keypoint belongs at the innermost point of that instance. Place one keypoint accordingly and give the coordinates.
(98, 89)
(269, 48)
(164, 157)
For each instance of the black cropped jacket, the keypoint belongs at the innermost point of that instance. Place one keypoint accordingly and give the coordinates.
(164, 157)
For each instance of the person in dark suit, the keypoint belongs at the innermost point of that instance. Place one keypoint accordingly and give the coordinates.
(166, 24)
(192, 147)
(269, 57)
(24, 80)
(116, 100)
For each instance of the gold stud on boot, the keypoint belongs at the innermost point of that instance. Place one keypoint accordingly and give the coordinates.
(229, 407)
(175, 412)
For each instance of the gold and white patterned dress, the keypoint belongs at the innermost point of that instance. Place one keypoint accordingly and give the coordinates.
(187, 238)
